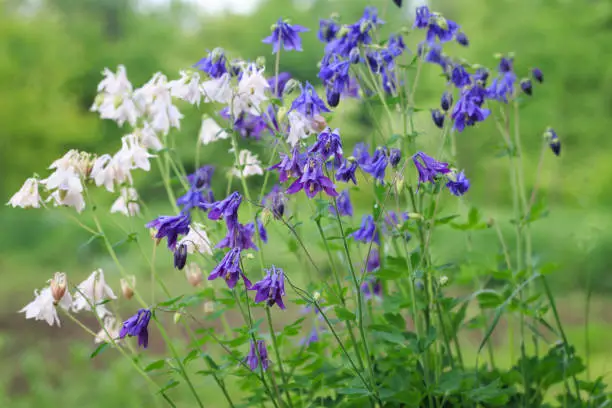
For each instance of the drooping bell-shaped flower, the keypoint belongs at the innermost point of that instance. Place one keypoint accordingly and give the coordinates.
(285, 35)
(271, 288)
(258, 353)
(137, 326)
(313, 180)
(343, 202)
(230, 270)
(457, 183)
(367, 232)
(170, 227)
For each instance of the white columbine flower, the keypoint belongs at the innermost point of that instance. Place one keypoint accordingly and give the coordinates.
(27, 196)
(103, 173)
(187, 87)
(127, 203)
(68, 188)
(251, 92)
(248, 165)
(210, 131)
(197, 240)
(148, 138)
(217, 89)
(154, 97)
(92, 291)
(43, 306)
(133, 154)
(115, 83)
(110, 331)
(114, 100)
(300, 127)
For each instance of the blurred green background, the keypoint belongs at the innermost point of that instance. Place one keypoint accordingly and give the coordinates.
(52, 53)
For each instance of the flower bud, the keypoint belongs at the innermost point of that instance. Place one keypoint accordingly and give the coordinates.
(537, 75)
(355, 56)
(415, 216)
(446, 101)
(333, 97)
(316, 296)
(180, 256)
(194, 274)
(127, 286)
(58, 286)
(395, 155)
(443, 280)
(399, 182)
(526, 86)
(291, 86)
(177, 317)
(462, 39)
(398, 3)
(553, 141)
(437, 117)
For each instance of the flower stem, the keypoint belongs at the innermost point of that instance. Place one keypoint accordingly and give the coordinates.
(278, 356)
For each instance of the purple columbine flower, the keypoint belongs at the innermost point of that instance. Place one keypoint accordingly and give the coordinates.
(371, 288)
(230, 270)
(282, 79)
(422, 17)
(201, 178)
(170, 227)
(392, 221)
(290, 166)
(502, 87)
(238, 236)
(462, 39)
(446, 101)
(335, 76)
(271, 288)
(460, 77)
(195, 198)
(275, 201)
(214, 64)
(526, 86)
(253, 358)
(226, 208)
(468, 110)
(312, 337)
(481, 75)
(367, 232)
(537, 75)
(362, 153)
(328, 144)
(428, 167)
(395, 155)
(136, 326)
(263, 233)
(180, 256)
(286, 35)
(377, 165)
(313, 180)
(437, 117)
(435, 56)
(344, 204)
(346, 172)
(553, 141)
(458, 184)
(308, 103)
(373, 261)
(328, 29)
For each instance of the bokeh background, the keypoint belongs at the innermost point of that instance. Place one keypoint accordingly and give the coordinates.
(52, 53)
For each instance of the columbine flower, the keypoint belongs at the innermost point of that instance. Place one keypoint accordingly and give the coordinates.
(377, 165)
(27, 196)
(210, 131)
(136, 326)
(251, 92)
(127, 286)
(373, 261)
(346, 171)
(257, 355)
(481, 76)
(289, 166)
(300, 127)
(278, 83)
(328, 29)
(371, 288)
(68, 188)
(238, 236)
(361, 153)
(187, 87)
(457, 184)
(248, 165)
(115, 83)
(286, 35)
(312, 337)
(526, 86)
(553, 141)
(313, 180)
(114, 100)
(446, 101)
(132, 154)
(344, 204)
(217, 89)
(271, 288)
(468, 110)
(437, 26)
(328, 144)
(502, 87)
(462, 39)
(395, 155)
(367, 232)
(107, 171)
(261, 230)
(127, 202)
(171, 227)
(393, 222)
(226, 208)
(43, 306)
(275, 201)
(201, 177)
(110, 331)
(437, 117)
(428, 167)
(92, 291)
(335, 76)
(308, 103)
(230, 270)
(180, 256)
(460, 77)
(197, 240)
(148, 138)
(155, 98)
(214, 64)
(435, 56)
(537, 75)
(193, 273)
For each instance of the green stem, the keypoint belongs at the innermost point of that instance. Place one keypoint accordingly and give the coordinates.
(278, 356)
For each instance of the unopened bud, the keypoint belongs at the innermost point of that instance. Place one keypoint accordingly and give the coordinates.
(282, 112)
(127, 286)
(443, 280)
(260, 62)
(415, 216)
(395, 155)
(399, 182)
(194, 274)
(291, 86)
(249, 256)
(319, 123)
(58, 286)
(209, 306)
(316, 296)
(177, 317)
(180, 256)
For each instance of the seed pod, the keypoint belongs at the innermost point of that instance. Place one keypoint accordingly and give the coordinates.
(58, 286)
(437, 117)
(127, 286)
(180, 256)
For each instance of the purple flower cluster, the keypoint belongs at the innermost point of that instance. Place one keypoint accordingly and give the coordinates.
(214, 64)
(430, 170)
(258, 353)
(137, 326)
(200, 192)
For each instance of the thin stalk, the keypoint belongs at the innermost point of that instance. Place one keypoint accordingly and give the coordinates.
(278, 356)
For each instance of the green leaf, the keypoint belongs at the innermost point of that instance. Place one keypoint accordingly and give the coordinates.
(353, 391)
(344, 314)
(170, 302)
(170, 384)
(156, 365)
(396, 320)
(489, 299)
(445, 220)
(395, 338)
(99, 349)
(193, 354)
